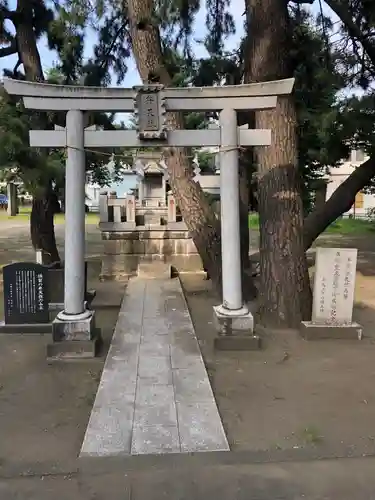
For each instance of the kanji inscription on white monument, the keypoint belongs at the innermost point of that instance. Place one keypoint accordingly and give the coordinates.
(334, 285)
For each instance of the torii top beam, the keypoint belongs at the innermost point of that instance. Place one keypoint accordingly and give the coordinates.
(44, 96)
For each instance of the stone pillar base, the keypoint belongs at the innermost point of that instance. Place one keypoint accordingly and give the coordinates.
(316, 331)
(74, 339)
(235, 332)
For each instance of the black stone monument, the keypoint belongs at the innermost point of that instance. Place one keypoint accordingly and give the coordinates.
(25, 298)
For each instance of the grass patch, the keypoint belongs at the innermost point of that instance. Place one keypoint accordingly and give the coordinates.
(351, 226)
(340, 226)
(311, 435)
(24, 215)
(254, 221)
(91, 218)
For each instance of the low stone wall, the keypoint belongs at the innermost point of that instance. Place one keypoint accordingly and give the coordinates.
(123, 250)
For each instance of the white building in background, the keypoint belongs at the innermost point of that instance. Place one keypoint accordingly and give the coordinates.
(122, 188)
(337, 175)
(210, 184)
(92, 196)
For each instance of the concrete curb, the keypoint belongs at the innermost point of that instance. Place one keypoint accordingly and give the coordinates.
(143, 463)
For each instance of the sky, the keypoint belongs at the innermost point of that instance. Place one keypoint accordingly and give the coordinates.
(49, 58)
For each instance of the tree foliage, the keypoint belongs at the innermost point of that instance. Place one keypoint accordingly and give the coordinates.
(65, 26)
(323, 120)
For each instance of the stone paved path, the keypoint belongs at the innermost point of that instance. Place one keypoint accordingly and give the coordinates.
(154, 395)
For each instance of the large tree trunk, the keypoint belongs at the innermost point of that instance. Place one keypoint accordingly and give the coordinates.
(244, 216)
(26, 42)
(195, 209)
(246, 158)
(43, 209)
(249, 290)
(285, 294)
(41, 221)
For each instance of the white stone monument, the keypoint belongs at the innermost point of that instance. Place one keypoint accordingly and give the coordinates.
(334, 284)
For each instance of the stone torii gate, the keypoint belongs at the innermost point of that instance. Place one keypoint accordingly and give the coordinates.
(150, 103)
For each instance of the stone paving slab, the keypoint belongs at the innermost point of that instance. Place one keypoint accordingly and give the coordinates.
(154, 396)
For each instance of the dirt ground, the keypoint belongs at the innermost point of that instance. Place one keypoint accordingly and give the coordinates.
(291, 395)
(44, 409)
(295, 394)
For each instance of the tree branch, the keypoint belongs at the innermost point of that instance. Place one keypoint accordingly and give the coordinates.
(7, 14)
(341, 9)
(340, 202)
(15, 69)
(8, 51)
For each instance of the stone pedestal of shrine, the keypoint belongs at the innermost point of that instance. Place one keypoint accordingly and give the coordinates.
(145, 229)
(126, 243)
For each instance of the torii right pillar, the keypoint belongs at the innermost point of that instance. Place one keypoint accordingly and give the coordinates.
(233, 320)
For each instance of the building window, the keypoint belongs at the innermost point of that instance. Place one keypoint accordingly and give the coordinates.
(358, 203)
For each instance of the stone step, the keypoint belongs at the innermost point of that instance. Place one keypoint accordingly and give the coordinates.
(154, 270)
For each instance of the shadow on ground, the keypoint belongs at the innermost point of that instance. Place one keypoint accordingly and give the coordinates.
(44, 409)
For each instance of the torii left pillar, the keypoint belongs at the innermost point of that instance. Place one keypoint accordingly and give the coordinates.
(73, 329)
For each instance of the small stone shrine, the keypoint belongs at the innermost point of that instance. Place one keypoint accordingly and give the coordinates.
(333, 299)
(25, 298)
(152, 179)
(145, 226)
